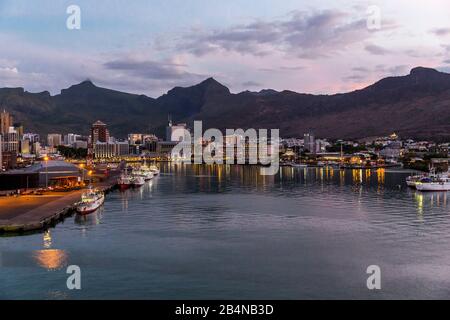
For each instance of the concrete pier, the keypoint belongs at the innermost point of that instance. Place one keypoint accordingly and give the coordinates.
(22, 214)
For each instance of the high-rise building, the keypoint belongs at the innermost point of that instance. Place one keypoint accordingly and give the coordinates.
(309, 142)
(99, 133)
(6, 121)
(71, 138)
(11, 141)
(19, 129)
(54, 140)
(25, 147)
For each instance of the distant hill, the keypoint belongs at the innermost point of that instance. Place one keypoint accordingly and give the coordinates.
(416, 105)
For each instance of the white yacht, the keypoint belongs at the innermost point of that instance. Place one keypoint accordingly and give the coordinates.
(440, 183)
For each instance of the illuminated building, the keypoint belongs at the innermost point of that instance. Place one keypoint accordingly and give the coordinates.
(309, 142)
(54, 140)
(99, 132)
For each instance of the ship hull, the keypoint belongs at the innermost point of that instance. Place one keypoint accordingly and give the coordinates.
(433, 186)
(84, 209)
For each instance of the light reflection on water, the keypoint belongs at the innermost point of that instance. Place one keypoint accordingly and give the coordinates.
(210, 231)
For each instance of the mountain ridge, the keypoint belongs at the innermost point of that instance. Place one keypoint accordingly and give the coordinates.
(414, 105)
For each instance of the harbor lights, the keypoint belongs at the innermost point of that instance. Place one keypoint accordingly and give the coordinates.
(46, 171)
(90, 175)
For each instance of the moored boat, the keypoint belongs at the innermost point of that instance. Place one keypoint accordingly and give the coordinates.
(137, 181)
(91, 200)
(125, 181)
(146, 174)
(154, 169)
(433, 184)
(411, 181)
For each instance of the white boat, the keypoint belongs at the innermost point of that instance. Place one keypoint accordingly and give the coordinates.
(125, 181)
(91, 200)
(155, 170)
(411, 181)
(146, 174)
(433, 184)
(137, 181)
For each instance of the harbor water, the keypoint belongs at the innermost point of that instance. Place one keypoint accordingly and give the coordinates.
(226, 232)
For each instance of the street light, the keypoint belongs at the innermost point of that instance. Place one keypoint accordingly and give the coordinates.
(46, 172)
(82, 173)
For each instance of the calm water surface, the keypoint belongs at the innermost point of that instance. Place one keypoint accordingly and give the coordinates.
(199, 232)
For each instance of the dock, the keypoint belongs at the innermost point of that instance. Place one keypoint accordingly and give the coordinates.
(33, 213)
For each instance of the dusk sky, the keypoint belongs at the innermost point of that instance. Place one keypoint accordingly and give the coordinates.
(148, 47)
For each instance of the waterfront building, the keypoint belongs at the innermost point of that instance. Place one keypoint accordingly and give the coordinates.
(104, 150)
(150, 142)
(107, 150)
(164, 148)
(135, 143)
(122, 148)
(135, 138)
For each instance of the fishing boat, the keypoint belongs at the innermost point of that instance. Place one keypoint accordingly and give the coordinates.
(91, 200)
(124, 181)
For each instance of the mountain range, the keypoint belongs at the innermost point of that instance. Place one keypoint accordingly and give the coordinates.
(416, 105)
